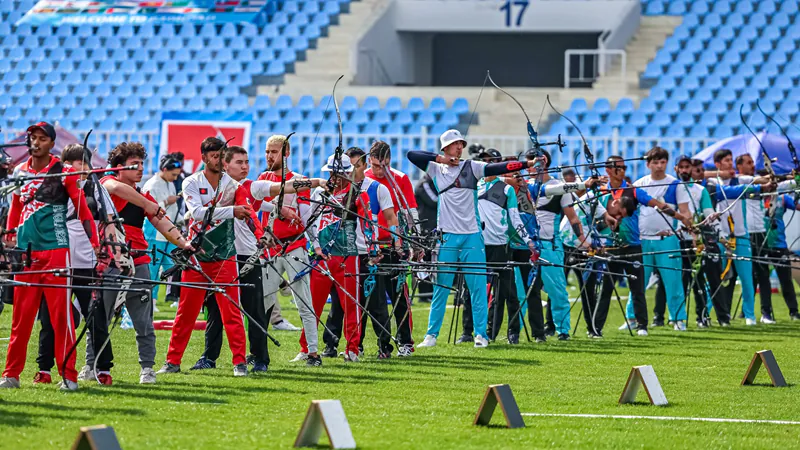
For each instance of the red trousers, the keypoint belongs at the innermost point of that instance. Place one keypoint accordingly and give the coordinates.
(191, 302)
(26, 305)
(321, 288)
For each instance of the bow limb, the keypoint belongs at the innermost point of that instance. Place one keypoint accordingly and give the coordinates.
(773, 204)
(537, 147)
(792, 152)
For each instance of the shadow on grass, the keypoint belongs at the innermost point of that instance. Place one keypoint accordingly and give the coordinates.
(30, 416)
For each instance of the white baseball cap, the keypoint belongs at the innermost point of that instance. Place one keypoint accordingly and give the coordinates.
(347, 166)
(450, 136)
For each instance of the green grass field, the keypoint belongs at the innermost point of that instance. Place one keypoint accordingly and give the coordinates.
(430, 399)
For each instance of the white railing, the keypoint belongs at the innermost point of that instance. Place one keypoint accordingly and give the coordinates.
(600, 61)
(309, 151)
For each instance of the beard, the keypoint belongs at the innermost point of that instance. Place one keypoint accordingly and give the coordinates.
(685, 176)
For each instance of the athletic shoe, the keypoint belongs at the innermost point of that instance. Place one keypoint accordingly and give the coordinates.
(767, 320)
(750, 322)
(657, 322)
(794, 316)
(330, 352)
(250, 360)
(563, 336)
(104, 379)
(203, 364)
(286, 290)
(260, 367)
(240, 370)
(169, 368)
(724, 323)
(513, 339)
(284, 325)
(350, 357)
(405, 350)
(300, 357)
(481, 342)
(147, 376)
(702, 324)
(549, 331)
(680, 326)
(464, 338)
(633, 324)
(642, 333)
(42, 377)
(429, 341)
(86, 374)
(68, 385)
(592, 335)
(540, 340)
(384, 355)
(314, 361)
(9, 383)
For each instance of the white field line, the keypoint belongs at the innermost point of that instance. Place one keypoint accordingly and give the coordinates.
(689, 419)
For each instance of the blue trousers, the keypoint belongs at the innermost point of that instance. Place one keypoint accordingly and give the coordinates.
(467, 248)
(554, 283)
(744, 270)
(670, 276)
(160, 261)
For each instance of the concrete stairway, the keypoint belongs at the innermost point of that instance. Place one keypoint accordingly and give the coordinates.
(316, 75)
(653, 30)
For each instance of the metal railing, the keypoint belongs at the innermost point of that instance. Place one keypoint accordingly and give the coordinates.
(310, 152)
(600, 62)
(377, 75)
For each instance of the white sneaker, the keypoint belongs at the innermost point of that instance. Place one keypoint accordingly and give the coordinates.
(67, 385)
(405, 350)
(632, 322)
(147, 376)
(284, 325)
(86, 374)
(350, 357)
(481, 342)
(750, 322)
(429, 341)
(680, 326)
(300, 357)
(767, 320)
(642, 333)
(9, 383)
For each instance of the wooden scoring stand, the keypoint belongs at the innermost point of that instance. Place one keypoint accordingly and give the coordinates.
(643, 376)
(767, 359)
(96, 437)
(499, 394)
(327, 415)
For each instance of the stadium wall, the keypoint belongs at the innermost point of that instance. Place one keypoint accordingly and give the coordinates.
(415, 42)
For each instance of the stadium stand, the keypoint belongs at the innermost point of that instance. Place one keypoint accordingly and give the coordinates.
(723, 54)
(121, 78)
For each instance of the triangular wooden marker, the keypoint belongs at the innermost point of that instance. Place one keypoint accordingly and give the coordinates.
(96, 437)
(643, 376)
(327, 414)
(766, 358)
(499, 394)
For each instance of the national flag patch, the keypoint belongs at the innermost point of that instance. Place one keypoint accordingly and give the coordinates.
(203, 191)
